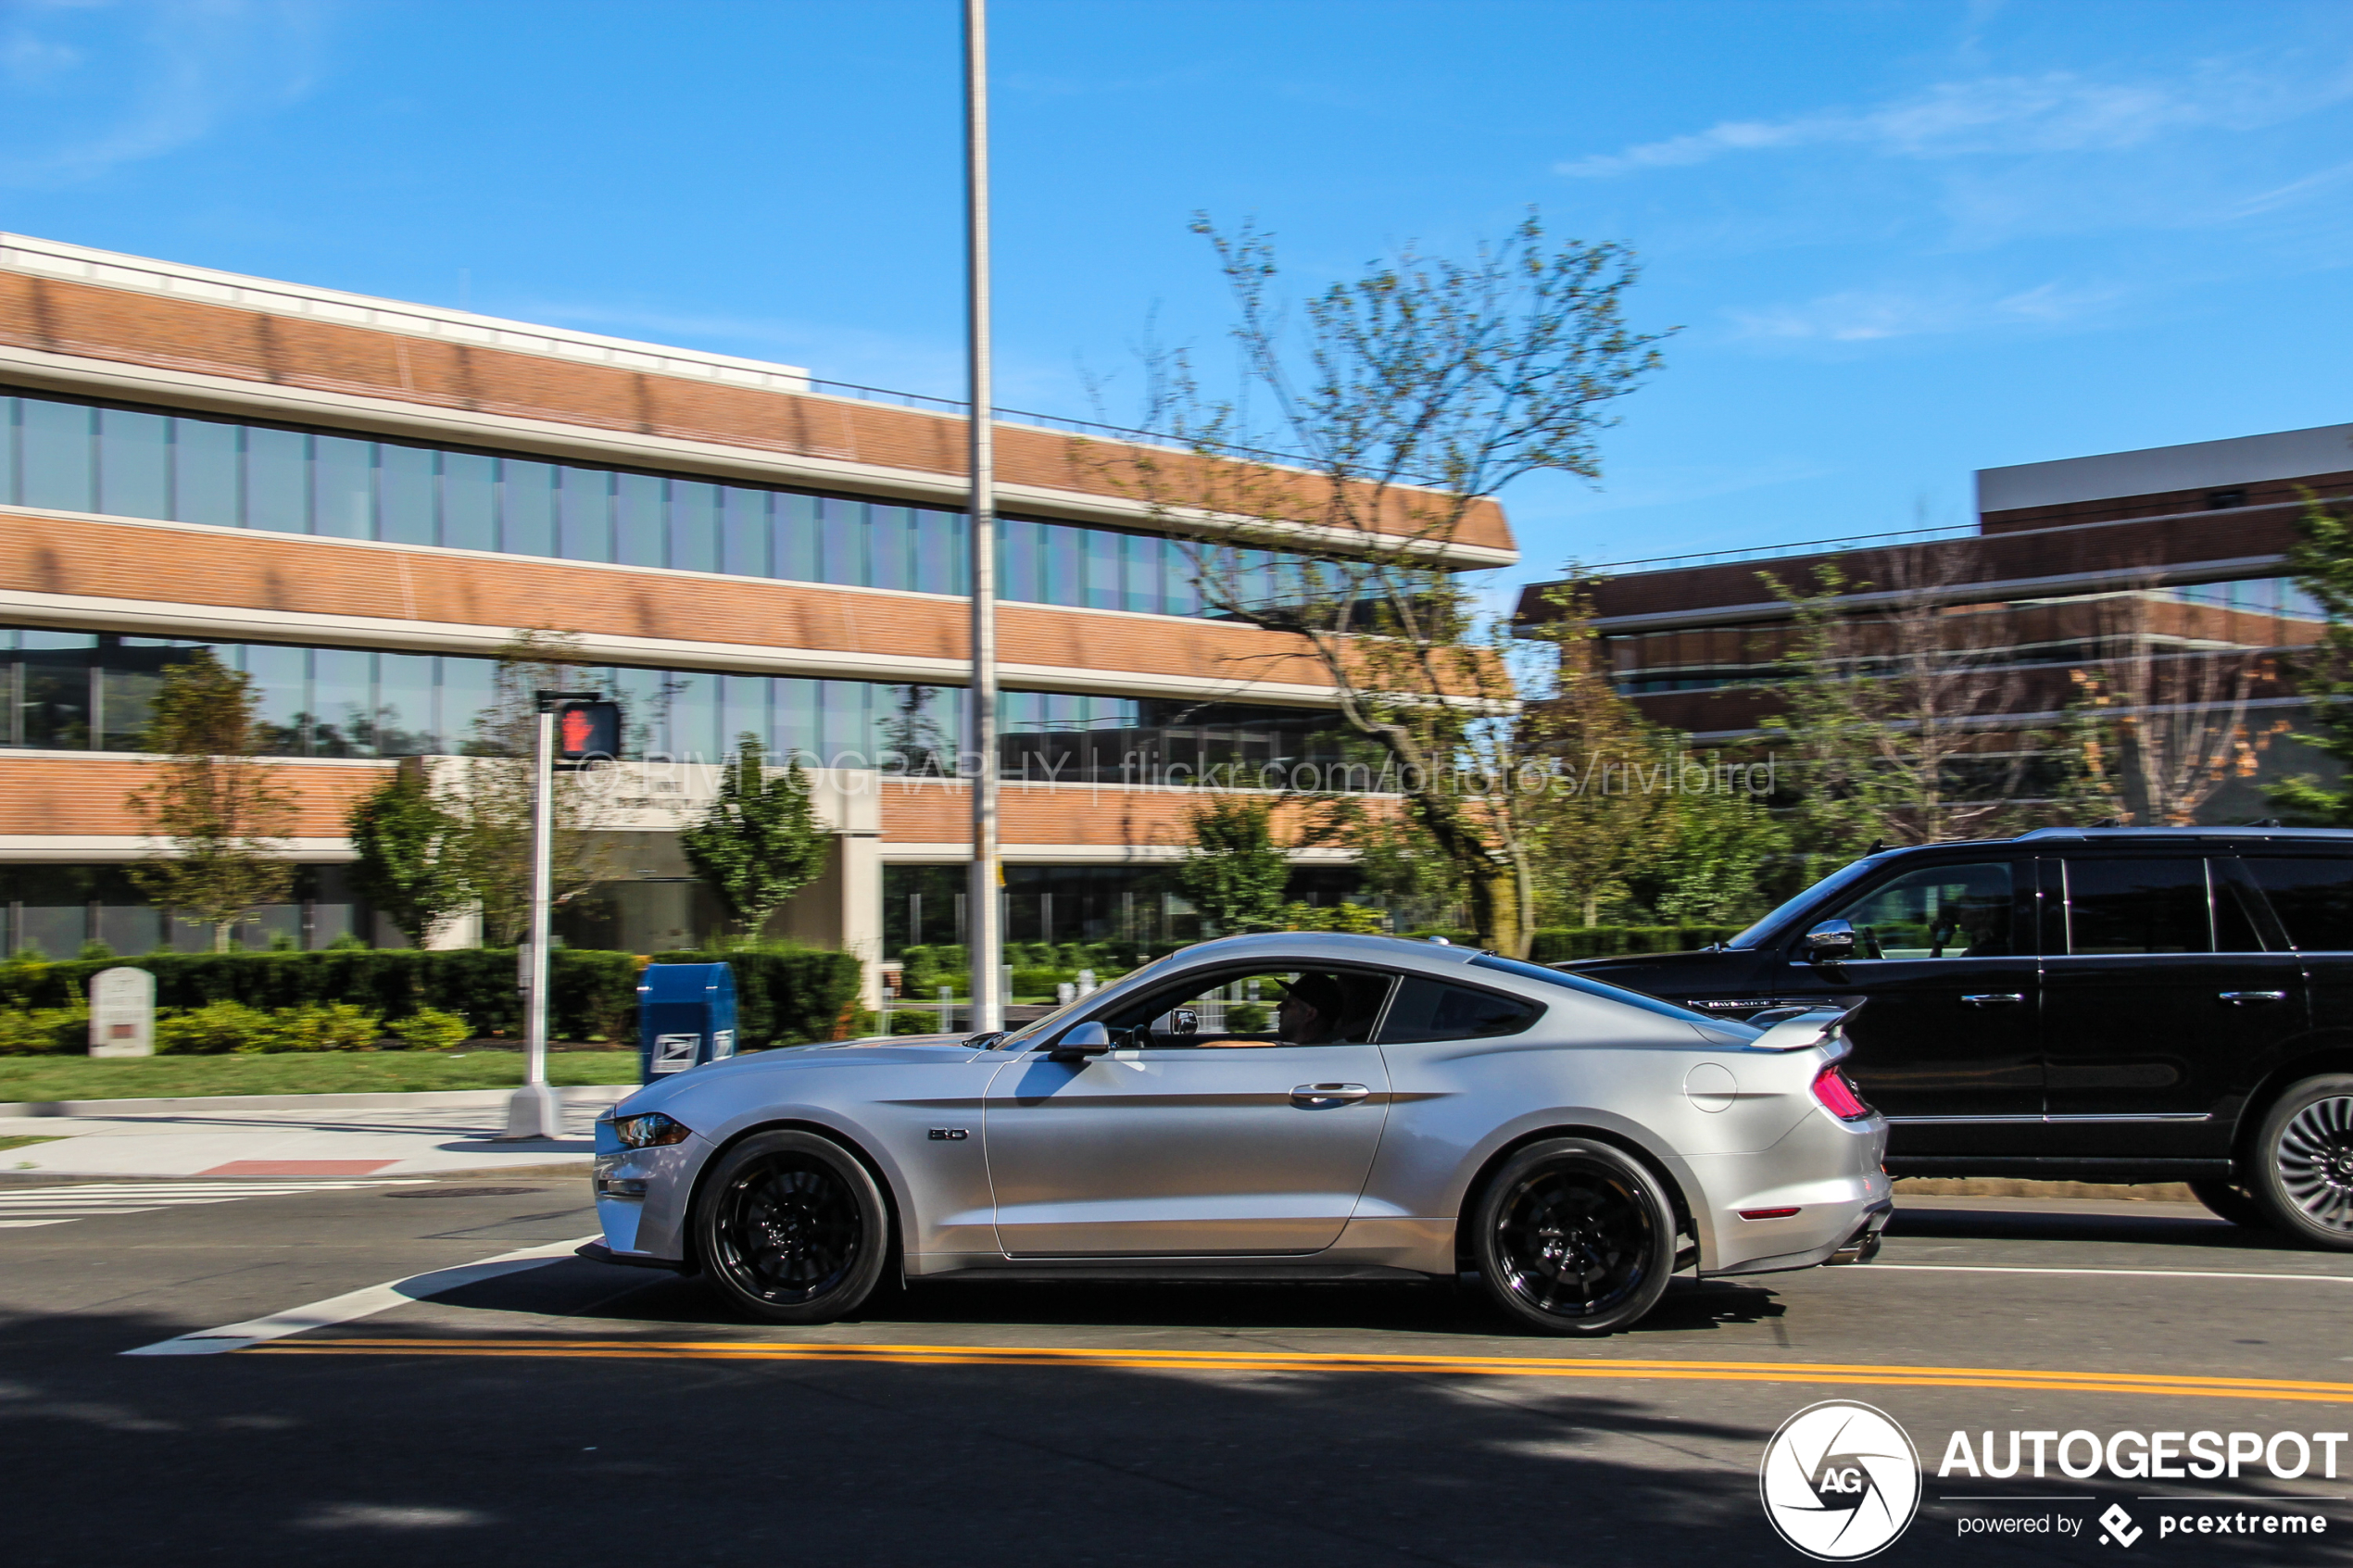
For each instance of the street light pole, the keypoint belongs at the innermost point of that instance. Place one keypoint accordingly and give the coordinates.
(531, 1110)
(986, 935)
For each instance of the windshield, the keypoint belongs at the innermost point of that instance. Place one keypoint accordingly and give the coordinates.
(1029, 1033)
(1595, 989)
(1830, 883)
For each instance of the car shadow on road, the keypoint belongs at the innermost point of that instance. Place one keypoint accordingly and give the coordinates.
(1441, 1308)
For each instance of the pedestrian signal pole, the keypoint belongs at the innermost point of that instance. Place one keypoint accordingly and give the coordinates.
(574, 729)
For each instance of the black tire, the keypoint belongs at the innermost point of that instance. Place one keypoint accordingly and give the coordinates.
(2227, 1200)
(790, 1227)
(1574, 1237)
(2300, 1170)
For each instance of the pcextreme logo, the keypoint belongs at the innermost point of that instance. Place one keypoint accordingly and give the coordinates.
(1839, 1481)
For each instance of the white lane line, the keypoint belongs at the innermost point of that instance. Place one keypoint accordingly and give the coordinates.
(26, 1224)
(355, 1303)
(2121, 1273)
(86, 1201)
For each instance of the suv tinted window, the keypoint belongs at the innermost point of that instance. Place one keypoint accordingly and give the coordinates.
(2314, 899)
(1431, 1009)
(2151, 906)
(1936, 912)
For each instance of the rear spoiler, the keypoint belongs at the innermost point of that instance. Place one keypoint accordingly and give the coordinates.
(1789, 1029)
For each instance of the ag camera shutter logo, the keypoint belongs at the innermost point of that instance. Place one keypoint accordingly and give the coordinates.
(1839, 1481)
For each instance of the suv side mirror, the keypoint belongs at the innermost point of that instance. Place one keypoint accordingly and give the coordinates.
(1080, 1041)
(1831, 942)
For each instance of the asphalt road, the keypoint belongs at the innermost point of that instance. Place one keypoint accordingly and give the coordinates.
(579, 1413)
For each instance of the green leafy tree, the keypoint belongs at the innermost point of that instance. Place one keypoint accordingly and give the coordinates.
(1889, 714)
(760, 842)
(1234, 870)
(1719, 850)
(223, 813)
(407, 844)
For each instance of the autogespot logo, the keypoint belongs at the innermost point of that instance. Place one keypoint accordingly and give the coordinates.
(1839, 1481)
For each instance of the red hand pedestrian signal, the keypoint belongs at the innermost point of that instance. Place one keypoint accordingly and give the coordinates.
(588, 730)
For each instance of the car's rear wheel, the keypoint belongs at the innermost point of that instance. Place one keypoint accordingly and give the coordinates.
(2301, 1172)
(1575, 1236)
(2227, 1200)
(791, 1228)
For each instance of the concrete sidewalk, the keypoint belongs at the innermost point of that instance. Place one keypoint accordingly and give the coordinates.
(293, 1136)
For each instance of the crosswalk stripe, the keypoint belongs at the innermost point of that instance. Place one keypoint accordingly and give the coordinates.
(62, 1204)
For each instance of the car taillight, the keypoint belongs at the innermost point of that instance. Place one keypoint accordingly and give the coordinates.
(1837, 1096)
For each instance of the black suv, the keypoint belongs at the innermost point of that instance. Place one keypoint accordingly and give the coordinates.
(2088, 1004)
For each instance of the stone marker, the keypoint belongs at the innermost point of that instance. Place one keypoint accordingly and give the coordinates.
(122, 1013)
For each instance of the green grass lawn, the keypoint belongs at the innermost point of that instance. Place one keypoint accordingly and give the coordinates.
(80, 1077)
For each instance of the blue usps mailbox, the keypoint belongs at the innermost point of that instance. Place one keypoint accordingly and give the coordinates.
(685, 1017)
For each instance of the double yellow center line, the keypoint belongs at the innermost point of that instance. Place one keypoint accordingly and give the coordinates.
(1137, 1360)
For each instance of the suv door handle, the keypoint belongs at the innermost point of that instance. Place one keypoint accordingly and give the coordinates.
(1310, 1096)
(1993, 998)
(2255, 995)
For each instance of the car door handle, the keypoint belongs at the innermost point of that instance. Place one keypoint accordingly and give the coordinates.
(1995, 998)
(2255, 995)
(1308, 1096)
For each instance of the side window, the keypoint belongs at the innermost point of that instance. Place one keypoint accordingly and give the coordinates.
(2313, 899)
(2152, 905)
(1267, 1005)
(1960, 912)
(1432, 1010)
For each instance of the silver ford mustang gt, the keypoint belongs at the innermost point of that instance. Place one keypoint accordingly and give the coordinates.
(1288, 1106)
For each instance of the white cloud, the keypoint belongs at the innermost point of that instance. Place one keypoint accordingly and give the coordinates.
(2059, 111)
(1864, 316)
(98, 85)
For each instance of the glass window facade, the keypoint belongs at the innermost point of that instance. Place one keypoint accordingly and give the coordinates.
(83, 457)
(77, 691)
(2256, 614)
(52, 911)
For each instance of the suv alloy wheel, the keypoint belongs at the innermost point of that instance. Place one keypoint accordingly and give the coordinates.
(2302, 1164)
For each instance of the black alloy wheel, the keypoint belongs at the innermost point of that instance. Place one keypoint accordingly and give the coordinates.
(2302, 1171)
(2227, 1200)
(1575, 1236)
(792, 1228)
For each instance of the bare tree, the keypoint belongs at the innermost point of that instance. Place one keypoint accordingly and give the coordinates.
(1416, 393)
(2162, 704)
(488, 792)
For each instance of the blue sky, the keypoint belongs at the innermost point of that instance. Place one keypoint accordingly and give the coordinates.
(1902, 241)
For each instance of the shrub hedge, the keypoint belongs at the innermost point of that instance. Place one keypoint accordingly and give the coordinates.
(594, 993)
(786, 995)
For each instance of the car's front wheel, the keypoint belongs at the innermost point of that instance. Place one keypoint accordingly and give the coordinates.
(1575, 1236)
(791, 1228)
(2302, 1166)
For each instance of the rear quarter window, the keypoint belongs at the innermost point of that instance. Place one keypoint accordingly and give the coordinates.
(1607, 993)
(2312, 896)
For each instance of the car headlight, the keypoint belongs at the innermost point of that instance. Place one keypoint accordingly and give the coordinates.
(651, 1130)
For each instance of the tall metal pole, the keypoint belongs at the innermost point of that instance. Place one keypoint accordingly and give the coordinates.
(986, 946)
(531, 1110)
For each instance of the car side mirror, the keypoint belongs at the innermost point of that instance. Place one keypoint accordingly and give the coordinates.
(1831, 942)
(1080, 1041)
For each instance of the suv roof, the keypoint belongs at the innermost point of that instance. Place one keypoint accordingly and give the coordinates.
(2130, 835)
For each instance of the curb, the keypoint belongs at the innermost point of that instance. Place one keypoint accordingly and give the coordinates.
(428, 1099)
